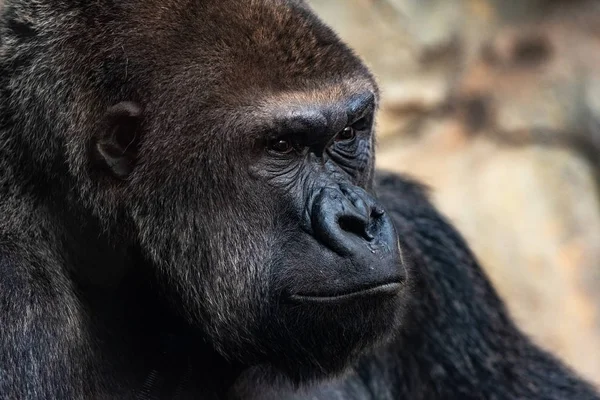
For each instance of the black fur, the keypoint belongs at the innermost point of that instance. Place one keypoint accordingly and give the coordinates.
(153, 246)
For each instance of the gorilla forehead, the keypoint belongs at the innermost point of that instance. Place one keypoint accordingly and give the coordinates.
(179, 57)
(218, 65)
(230, 44)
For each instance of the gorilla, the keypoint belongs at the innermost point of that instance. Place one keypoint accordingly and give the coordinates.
(189, 210)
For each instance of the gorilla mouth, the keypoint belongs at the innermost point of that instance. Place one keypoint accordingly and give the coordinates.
(386, 289)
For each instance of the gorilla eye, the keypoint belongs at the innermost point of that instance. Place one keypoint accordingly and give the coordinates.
(281, 146)
(346, 135)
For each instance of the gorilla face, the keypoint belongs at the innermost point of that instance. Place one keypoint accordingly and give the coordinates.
(240, 147)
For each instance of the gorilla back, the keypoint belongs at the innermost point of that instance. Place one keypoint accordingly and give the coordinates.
(188, 211)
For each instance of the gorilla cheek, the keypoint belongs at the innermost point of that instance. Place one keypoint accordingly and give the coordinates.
(214, 271)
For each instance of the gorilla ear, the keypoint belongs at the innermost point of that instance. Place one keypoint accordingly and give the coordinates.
(117, 146)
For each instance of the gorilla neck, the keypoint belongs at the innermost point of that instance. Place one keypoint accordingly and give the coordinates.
(170, 355)
(156, 349)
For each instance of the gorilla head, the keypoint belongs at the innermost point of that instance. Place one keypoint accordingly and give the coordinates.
(231, 142)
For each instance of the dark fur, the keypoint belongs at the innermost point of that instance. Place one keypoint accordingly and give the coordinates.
(161, 281)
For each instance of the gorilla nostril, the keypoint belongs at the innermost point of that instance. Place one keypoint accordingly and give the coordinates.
(354, 225)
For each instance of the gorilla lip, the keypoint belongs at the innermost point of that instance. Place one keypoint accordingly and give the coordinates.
(391, 288)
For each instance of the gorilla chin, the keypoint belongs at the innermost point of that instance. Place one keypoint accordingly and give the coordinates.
(321, 336)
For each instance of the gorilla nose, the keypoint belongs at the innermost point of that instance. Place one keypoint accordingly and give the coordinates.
(348, 221)
(344, 218)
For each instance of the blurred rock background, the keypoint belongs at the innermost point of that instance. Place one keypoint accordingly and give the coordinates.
(495, 104)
